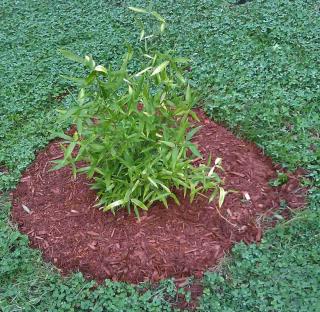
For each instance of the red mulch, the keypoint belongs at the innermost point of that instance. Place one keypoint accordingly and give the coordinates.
(177, 242)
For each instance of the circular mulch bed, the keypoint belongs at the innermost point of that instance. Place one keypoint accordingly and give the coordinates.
(177, 242)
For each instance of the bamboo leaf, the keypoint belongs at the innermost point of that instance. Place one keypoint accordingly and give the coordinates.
(194, 150)
(142, 34)
(140, 204)
(100, 69)
(188, 94)
(222, 195)
(137, 10)
(213, 195)
(175, 198)
(181, 60)
(192, 132)
(116, 203)
(218, 161)
(60, 163)
(153, 182)
(70, 149)
(71, 56)
(78, 81)
(142, 71)
(170, 144)
(164, 187)
(194, 115)
(158, 17)
(180, 77)
(160, 68)
(89, 62)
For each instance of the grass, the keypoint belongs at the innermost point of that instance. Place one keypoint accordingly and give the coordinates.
(257, 66)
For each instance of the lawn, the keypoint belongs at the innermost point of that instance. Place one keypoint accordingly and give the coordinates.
(257, 68)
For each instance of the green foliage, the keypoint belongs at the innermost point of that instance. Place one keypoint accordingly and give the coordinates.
(256, 65)
(281, 179)
(282, 273)
(132, 132)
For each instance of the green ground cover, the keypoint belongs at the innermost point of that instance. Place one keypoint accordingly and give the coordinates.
(257, 66)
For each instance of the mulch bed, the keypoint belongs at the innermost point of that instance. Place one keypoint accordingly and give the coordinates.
(177, 242)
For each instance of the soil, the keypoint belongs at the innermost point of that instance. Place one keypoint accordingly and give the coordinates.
(58, 214)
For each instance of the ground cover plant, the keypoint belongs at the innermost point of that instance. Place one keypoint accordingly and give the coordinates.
(257, 65)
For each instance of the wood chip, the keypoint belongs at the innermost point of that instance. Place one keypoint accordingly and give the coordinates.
(113, 232)
(93, 233)
(93, 245)
(26, 209)
(25, 179)
(246, 196)
(57, 156)
(237, 174)
(191, 250)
